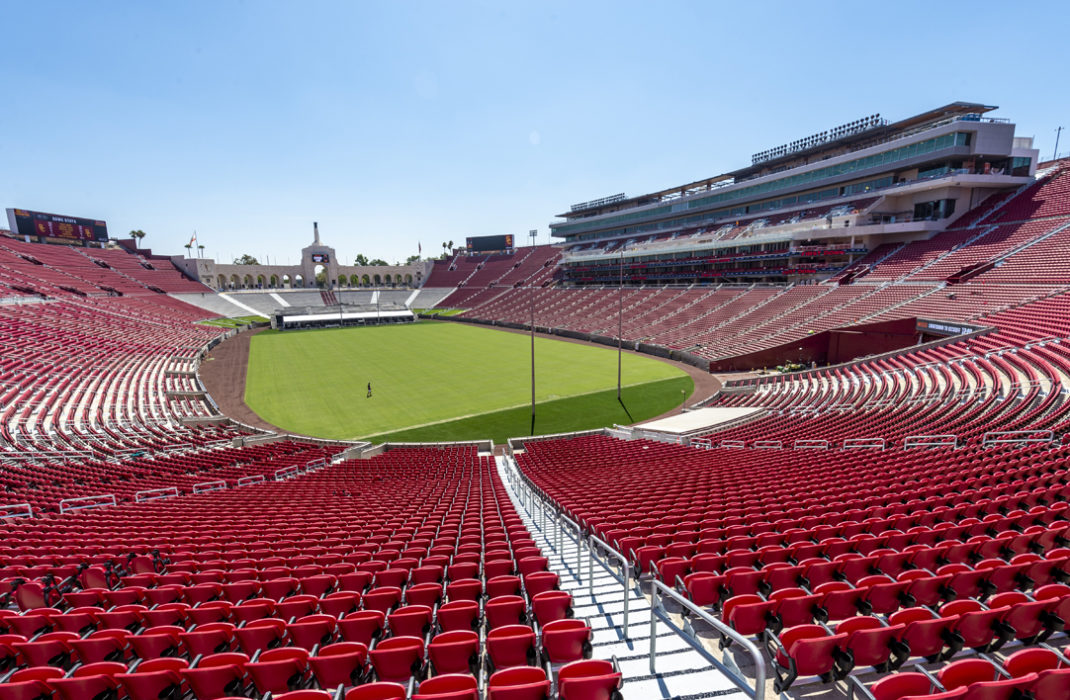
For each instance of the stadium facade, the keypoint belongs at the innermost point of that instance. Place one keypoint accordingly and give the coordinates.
(803, 210)
(317, 259)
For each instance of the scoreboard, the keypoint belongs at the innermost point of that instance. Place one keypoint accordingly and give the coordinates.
(489, 244)
(68, 228)
(321, 258)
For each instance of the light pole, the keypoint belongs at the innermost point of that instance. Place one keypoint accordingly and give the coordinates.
(532, 359)
(1058, 133)
(620, 321)
(532, 233)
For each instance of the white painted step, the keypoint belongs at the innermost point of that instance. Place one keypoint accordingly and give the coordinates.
(682, 673)
(250, 310)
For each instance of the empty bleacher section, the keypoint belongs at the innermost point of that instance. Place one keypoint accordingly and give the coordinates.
(1042, 260)
(920, 254)
(97, 376)
(154, 273)
(961, 388)
(51, 270)
(478, 278)
(999, 226)
(936, 557)
(1049, 196)
(967, 301)
(994, 243)
(45, 482)
(409, 571)
(453, 271)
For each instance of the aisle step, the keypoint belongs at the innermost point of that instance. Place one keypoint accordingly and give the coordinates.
(683, 674)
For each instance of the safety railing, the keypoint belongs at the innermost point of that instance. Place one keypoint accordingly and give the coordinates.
(811, 444)
(702, 443)
(594, 543)
(863, 444)
(84, 502)
(287, 473)
(914, 441)
(528, 495)
(767, 444)
(659, 591)
(315, 464)
(1013, 437)
(250, 480)
(16, 510)
(563, 520)
(155, 494)
(207, 486)
(737, 444)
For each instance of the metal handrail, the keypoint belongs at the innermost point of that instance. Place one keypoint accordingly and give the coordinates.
(626, 567)
(83, 502)
(911, 441)
(206, 486)
(249, 480)
(863, 443)
(810, 445)
(1004, 437)
(287, 472)
(657, 609)
(16, 510)
(522, 487)
(579, 542)
(156, 494)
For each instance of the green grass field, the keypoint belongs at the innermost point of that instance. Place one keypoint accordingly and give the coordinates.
(435, 381)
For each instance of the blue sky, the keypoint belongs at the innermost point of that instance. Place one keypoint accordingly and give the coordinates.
(397, 123)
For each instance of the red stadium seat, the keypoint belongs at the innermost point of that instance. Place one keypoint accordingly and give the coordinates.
(511, 645)
(589, 680)
(566, 640)
(397, 659)
(454, 652)
(216, 675)
(344, 663)
(450, 686)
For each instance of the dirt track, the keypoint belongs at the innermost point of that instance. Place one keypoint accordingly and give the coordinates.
(223, 373)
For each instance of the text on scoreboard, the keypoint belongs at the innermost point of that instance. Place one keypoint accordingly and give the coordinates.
(36, 223)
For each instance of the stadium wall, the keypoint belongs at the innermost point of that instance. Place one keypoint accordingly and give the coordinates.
(833, 346)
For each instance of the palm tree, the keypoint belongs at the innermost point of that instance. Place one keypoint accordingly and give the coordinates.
(189, 247)
(200, 250)
(137, 235)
